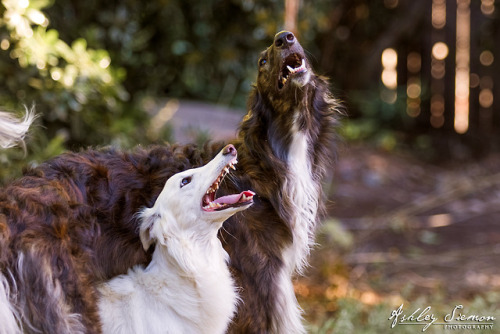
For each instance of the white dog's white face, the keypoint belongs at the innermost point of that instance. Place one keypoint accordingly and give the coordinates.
(188, 203)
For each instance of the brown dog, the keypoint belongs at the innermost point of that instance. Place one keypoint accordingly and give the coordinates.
(71, 223)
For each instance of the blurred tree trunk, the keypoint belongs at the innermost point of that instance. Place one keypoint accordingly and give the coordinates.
(291, 13)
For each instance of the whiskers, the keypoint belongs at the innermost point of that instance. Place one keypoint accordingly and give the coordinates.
(232, 179)
(228, 233)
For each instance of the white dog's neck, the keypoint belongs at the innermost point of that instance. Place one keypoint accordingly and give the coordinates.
(188, 254)
(196, 271)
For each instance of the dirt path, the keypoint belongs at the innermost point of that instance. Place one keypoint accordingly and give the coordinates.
(399, 228)
(193, 121)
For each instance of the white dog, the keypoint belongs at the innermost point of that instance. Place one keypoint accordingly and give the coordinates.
(187, 287)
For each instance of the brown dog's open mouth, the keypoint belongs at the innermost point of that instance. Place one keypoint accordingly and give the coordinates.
(211, 203)
(294, 64)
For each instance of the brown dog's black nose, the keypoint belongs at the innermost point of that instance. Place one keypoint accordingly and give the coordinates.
(284, 39)
(229, 149)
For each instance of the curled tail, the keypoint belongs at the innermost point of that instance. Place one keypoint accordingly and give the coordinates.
(13, 129)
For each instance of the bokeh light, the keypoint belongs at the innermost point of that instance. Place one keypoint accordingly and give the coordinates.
(389, 58)
(461, 122)
(440, 50)
(487, 7)
(414, 62)
(486, 58)
(486, 98)
(438, 13)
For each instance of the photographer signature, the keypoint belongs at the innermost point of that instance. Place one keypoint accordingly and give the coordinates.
(454, 320)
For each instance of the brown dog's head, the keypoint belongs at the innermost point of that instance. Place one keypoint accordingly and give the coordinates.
(283, 67)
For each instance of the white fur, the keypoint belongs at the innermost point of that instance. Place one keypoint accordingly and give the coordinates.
(287, 307)
(8, 314)
(304, 194)
(12, 129)
(303, 79)
(187, 287)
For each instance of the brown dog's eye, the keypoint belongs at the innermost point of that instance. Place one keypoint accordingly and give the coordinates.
(185, 181)
(262, 62)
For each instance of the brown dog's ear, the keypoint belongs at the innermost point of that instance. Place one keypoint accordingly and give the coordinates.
(146, 232)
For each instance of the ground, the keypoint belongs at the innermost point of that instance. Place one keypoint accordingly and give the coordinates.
(399, 230)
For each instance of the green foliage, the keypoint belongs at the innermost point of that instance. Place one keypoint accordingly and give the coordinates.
(198, 49)
(203, 50)
(75, 89)
(89, 66)
(336, 234)
(381, 123)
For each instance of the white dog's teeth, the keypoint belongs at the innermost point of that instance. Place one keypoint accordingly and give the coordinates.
(290, 69)
(232, 167)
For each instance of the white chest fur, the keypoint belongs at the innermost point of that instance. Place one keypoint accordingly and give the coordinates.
(304, 195)
(166, 297)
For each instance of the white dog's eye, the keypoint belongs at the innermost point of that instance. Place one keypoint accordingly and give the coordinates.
(185, 181)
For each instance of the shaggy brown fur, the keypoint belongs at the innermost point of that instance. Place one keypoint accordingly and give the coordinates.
(71, 222)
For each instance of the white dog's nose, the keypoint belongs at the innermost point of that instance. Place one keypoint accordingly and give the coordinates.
(229, 149)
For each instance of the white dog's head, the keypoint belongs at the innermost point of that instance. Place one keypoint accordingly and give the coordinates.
(187, 203)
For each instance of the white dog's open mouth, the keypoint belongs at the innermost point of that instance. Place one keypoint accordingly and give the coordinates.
(293, 64)
(210, 203)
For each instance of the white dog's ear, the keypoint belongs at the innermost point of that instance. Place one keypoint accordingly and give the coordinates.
(146, 230)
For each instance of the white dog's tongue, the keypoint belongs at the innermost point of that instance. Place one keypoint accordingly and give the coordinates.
(236, 198)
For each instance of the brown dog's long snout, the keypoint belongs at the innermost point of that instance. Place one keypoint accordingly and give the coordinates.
(229, 149)
(284, 39)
